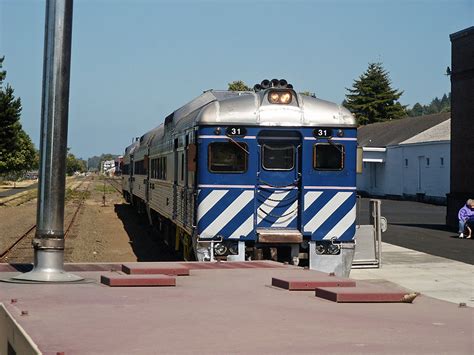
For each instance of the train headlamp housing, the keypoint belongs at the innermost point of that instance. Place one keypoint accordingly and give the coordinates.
(281, 97)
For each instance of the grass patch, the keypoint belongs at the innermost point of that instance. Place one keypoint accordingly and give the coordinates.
(108, 189)
(76, 195)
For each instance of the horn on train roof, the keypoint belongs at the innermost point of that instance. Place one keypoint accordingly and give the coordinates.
(265, 84)
(283, 83)
(274, 83)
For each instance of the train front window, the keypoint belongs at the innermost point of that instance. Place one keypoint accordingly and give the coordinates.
(227, 157)
(328, 156)
(278, 156)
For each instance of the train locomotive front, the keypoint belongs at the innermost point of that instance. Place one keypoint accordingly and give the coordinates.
(263, 171)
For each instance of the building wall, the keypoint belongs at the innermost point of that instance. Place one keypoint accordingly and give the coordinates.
(462, 122)
(425, 171)
(406, 173)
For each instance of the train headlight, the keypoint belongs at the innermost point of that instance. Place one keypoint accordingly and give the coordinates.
(280, 97)
(274, 97)
(285, 98)
(220, 249)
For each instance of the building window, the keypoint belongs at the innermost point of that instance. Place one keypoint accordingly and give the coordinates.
(406, 162)
(427, 161)
(442, 161)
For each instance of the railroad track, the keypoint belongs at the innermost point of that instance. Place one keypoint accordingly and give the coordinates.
(29, 234)
(116, 184)
(28, 195)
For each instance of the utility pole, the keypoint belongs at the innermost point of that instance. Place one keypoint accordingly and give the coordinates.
(49, 238)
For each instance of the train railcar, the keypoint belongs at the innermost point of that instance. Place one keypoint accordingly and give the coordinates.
(127, 170)
(234, 175)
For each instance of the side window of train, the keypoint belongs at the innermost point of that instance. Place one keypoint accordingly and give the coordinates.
(328, 156)
(227, 157)
(163, 168)
(278, 156)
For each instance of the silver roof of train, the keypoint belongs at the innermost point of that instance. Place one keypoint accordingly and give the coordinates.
(248, 108)
(253, 109)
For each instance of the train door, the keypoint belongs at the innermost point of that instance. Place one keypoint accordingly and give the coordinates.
(131, 171)
(147, 179)
(278, 185)
(175, 178)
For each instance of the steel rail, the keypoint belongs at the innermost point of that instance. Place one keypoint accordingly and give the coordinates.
(12, 247)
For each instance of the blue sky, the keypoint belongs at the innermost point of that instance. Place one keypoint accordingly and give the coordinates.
(135, 61)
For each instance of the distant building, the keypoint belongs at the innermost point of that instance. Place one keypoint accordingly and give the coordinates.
(462, 122)
(107, 167)
(406, 158)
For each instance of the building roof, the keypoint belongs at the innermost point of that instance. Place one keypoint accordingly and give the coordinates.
(393, 132)
(465, 32)
(438, 133)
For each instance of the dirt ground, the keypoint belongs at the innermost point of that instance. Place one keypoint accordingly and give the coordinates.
(113, 232)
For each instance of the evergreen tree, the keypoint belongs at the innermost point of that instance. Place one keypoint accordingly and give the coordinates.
(74, 164)
(445, 103)
(238, 85)
(436, 106)
(17, 153)
(372, 99)
(417, 110)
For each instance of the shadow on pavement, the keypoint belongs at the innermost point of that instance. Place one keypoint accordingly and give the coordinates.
(143, 238)
(438, 227)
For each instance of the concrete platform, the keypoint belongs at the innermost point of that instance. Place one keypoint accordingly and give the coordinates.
(433, 276)
(225, 310)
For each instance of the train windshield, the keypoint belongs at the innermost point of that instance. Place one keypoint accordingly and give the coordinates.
(328, 156)
(227, 158)
(278, 156)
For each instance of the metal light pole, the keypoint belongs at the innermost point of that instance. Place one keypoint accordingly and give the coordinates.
(49, 239)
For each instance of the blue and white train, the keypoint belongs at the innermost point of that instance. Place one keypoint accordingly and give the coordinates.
(238, 175)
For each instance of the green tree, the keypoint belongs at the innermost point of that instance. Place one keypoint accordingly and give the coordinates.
(307, 93)
(74, 164)
(436, 106)
(417, 110)
(238, 85)
(17, 153)
(371, 98)
(445, 103)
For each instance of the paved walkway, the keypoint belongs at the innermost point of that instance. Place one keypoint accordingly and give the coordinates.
(430, 275)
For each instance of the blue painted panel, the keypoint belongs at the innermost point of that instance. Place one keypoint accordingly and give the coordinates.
(329, 214)
(227, 212)
(331, 193)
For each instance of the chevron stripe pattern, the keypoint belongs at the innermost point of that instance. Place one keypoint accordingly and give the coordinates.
(227, 212)
(329, 214)
(234, 213)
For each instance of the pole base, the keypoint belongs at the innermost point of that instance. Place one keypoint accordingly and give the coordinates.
(48, 267)
(47, 276)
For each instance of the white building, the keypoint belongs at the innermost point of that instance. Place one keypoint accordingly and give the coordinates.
(407, 158)
(108, 167)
